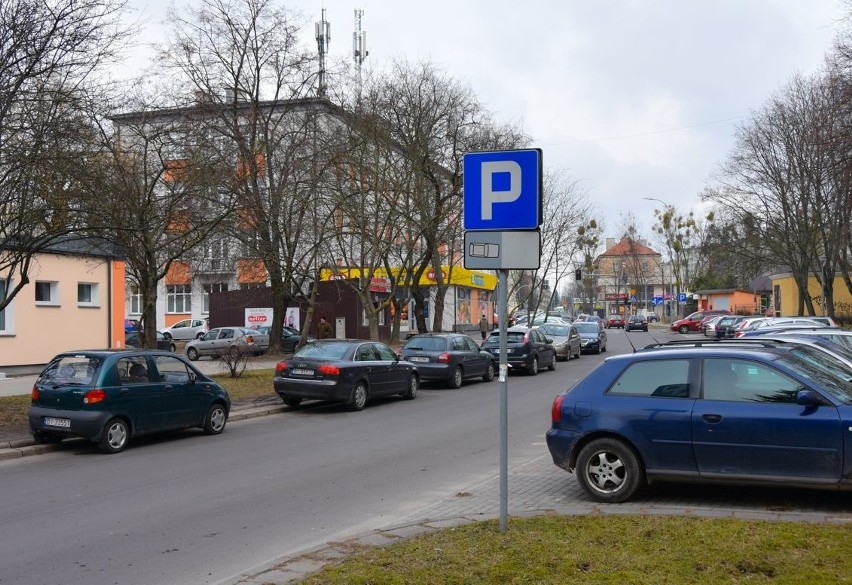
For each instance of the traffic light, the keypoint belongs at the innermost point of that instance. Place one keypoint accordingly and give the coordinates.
(578, 275)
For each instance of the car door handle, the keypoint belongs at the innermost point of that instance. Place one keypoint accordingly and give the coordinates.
(125, 390)
(169, 388)
(711, 418)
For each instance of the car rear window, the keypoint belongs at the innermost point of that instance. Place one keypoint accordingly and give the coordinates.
(324, 351)
(661, 378)
(426, 344)
(71, 370)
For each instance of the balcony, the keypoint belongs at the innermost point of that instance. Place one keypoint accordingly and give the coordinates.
(215, 266)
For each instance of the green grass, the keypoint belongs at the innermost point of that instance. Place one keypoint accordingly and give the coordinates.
(607, 550)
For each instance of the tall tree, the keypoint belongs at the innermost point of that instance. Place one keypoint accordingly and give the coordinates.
(241, 60)
(49, 52)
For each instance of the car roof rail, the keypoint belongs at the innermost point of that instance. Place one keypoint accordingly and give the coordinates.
(689, 343)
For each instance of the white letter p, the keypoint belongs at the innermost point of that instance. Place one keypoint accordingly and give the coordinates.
(489, 196)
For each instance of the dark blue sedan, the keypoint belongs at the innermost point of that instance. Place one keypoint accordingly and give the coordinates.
(773, 414)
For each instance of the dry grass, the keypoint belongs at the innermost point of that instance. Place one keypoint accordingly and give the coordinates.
(610, 549)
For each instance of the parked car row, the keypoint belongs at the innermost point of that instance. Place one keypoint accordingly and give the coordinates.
(765, 410)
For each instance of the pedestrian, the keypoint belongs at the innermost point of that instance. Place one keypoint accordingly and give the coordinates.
(323, 329)
(483, 326)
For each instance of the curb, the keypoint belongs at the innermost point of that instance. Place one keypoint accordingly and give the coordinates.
(24, 447)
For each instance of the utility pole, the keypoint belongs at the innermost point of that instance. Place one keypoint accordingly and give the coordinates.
(323, 30)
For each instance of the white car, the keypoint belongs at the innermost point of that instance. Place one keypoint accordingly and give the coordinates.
(186, 329)
(224, 340)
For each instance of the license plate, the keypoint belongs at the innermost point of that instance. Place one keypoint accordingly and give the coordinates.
(303, 372)
(57, 422)
(419, 359)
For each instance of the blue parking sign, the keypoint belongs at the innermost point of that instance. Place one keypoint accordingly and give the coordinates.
(502, 190)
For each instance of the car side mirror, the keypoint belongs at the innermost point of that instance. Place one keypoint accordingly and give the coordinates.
(192, 377)
(810, 398)
(548, 340)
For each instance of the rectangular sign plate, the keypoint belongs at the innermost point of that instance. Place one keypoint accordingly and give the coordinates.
(502, 250)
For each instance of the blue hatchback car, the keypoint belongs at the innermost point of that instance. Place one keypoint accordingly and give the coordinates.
(760, 413)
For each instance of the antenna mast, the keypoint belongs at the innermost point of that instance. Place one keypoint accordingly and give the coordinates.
(359, 44)
(323, 30)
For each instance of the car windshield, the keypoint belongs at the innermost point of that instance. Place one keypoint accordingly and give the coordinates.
(830, 373)
(556, 330)
(426, 344)
(324, 351)
(587, 327)
(71, 370)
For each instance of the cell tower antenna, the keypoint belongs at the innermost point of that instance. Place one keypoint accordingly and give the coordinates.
(359, 43)
(323, 30)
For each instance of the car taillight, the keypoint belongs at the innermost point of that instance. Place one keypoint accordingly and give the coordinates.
(34, 394)
(280, 368)
(526, 337)
(444, 358)
(94, 396)
(329, 370)
(556, 409)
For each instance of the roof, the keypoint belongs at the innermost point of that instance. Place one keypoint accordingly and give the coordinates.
(630, 247)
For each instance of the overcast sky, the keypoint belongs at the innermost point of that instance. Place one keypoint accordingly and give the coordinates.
(632, 98)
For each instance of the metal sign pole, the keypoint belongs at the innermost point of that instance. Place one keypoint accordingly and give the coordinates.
(503, 381)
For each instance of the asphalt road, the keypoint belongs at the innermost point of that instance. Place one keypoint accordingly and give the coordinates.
(188, 508)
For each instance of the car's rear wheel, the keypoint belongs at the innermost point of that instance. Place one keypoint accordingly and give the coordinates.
(358, 398)
(192, 353)
(200, 335)
(411, 388)
(167, 335)
(533, 369)
(609, 471)
(292, 401)
(457, 379)
(214, 422)
(683, 329)
(114, 436)
(489, 372)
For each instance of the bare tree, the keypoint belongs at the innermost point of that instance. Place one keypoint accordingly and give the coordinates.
(48, 52)
(154, 190)
(242, 62)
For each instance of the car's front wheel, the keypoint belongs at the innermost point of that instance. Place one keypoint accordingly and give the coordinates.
(609, 471)
(358, 398)
(214, 422)
(683, 329)
(457, 378)
(552, 366)
(192, 353)
(114, 436)
(167, 335)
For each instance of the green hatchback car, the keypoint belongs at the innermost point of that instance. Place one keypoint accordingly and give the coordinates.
(109, 396)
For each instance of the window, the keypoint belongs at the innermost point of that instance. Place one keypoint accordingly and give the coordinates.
(46, 292)
(5, 314)
(132, 371)
(172, 370)
(250, 285)
(662, 378)
(87, 294)
(211, 288)
(744, 381)
(179, 298)
(135, 296)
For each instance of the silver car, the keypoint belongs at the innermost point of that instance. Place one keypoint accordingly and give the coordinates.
(225, 340)
(566, 339)
(186, 329)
